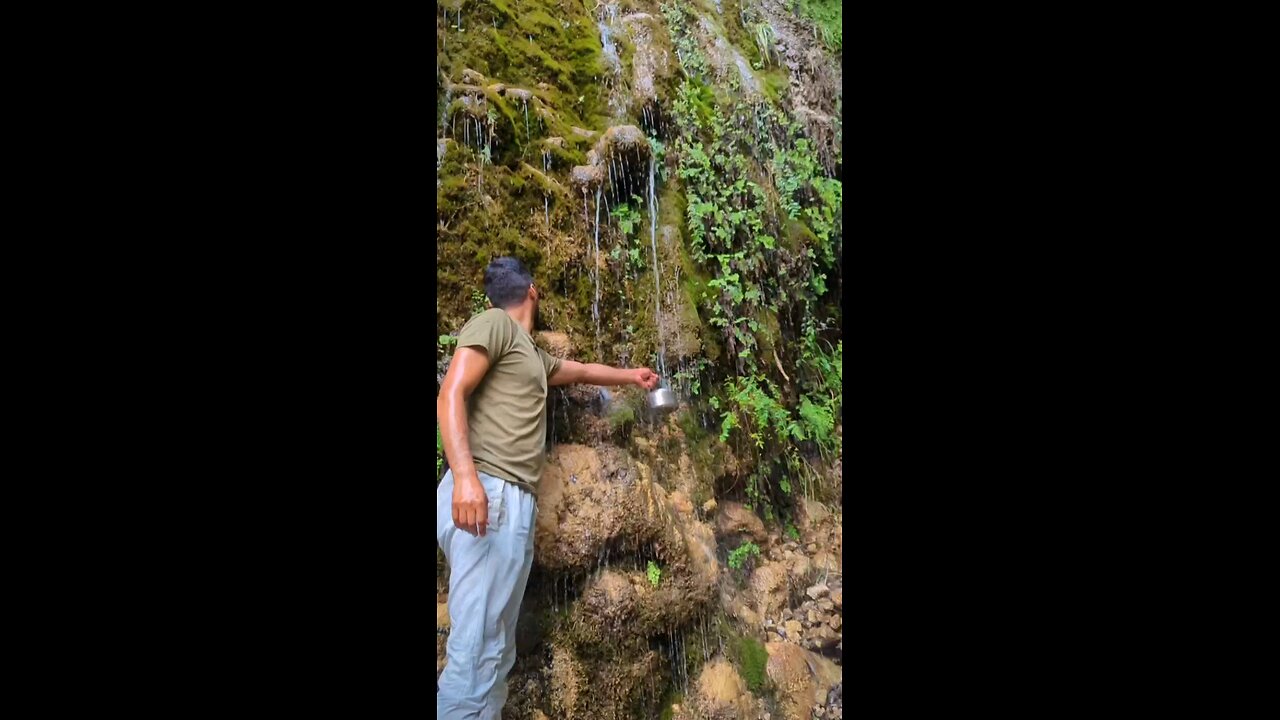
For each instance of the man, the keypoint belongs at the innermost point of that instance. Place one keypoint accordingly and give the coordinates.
(491, 411)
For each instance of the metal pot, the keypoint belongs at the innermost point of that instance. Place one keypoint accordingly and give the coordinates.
(662, 400)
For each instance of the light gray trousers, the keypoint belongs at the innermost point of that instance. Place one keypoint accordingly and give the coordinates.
(487, 577)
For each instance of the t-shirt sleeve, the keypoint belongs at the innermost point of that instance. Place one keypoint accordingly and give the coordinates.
(485, 330)
(552, 364)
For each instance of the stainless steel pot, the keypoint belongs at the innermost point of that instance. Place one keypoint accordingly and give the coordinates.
(662, 400)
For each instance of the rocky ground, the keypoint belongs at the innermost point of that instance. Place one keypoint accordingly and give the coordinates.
(787, 601)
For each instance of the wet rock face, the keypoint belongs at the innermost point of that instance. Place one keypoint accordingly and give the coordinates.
(651, 62)
(586, 177)
(621, 138)
(598, 503)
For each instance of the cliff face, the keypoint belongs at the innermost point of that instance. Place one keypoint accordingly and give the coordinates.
(668, 172)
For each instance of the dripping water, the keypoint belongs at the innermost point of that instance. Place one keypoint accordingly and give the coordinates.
(546, 200)
(657, 285)
(595, 271)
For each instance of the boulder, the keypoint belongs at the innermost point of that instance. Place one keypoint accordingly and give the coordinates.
(736, 518)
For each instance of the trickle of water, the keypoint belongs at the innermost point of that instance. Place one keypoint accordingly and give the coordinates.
(526, 119)
(595, 271)
(657, 285)
(608, 47)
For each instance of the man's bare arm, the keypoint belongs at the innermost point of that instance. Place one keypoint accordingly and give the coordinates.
(470, 504)
(571, 372)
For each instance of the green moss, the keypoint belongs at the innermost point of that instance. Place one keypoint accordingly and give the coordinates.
(775, 82)
(751, 659)
(675, 697)
(623, 416)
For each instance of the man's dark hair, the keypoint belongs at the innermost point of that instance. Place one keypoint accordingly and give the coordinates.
(506, 282)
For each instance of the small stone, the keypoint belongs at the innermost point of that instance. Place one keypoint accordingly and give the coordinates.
(793, 629)
(811, 548)
(837, 599)
(826, 605)
(709, 506)
(834, 622)
(818, 591)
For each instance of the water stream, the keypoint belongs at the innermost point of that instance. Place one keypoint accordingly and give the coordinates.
(657, 285)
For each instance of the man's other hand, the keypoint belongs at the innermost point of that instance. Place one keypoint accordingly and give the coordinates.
(470, 505)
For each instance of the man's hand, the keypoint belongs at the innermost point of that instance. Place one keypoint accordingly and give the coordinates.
(470, 505)
(645, 378)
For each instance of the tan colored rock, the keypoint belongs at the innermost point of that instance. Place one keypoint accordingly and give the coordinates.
(471, 77)
(680, 501)
(622, 138)
(519, 95)
(837, 599)
(498, 88)
(818, 591)
(721, 692)
(793, 629)
(595, 499)
(813, 516)
(799, 568)
(824, 562)
(557, 142)
(586, 177)
(736, 518)
(557, 344)
(709, 506)
(802, 678)
(442, 616)
(567, 682)
(769, 588)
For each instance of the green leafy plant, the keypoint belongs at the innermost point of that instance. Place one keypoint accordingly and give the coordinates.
(654, 573)
(738, 557)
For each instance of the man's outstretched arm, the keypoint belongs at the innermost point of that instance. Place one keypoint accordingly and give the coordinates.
(470, 504)
(571, 372)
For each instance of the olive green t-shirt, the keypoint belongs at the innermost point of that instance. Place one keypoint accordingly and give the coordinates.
(506, 413)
